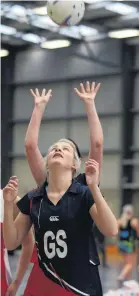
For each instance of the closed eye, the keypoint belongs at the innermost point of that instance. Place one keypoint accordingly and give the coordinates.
(66, 148)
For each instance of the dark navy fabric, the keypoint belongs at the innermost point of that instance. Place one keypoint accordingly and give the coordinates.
(64, 237)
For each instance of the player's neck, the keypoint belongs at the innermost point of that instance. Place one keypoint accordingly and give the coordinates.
(59, 181)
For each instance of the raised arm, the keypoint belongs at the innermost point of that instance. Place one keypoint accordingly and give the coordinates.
(34, 156)
(13, 232)
(100, 211)
(87, 94)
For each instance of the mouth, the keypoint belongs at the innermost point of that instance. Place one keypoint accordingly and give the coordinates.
(58, 155)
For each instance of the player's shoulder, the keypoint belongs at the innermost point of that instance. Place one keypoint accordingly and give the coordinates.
(36, 192)
(81, 179)
(79, 186)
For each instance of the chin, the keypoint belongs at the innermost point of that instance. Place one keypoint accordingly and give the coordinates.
(56, 161)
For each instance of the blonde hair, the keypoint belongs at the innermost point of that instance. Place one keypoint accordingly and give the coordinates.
(76, 157)
(124, 218)
(128, 207)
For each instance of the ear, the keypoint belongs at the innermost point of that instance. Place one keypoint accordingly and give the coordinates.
(75, 167)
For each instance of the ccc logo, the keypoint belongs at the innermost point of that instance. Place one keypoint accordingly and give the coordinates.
(54, 218)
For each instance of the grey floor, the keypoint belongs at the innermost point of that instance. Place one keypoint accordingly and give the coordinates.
(108, 275)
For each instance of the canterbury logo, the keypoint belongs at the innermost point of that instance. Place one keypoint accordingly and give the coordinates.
(54, 218)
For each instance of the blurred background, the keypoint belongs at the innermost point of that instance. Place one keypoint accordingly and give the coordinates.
(104, 48)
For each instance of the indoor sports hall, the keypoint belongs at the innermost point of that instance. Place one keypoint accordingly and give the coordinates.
(37, 53)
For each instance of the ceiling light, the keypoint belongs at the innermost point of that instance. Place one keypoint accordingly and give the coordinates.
(72, 31)
(93, 1)
(53, 44)
(40, 10)
(4, 53)
(78, 32)
(120, 8)
(18, 10)
(131, 16)
(95, 5)
(32, 38)
(7, 30)
(43, 22)
(99, 36)
(126, 33)
(87, 31)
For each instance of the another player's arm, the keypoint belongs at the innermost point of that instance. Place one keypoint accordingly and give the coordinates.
(26, 251)
(87, 95)
(102, 214)
(13, 231)
(99, 211)
(34, 156)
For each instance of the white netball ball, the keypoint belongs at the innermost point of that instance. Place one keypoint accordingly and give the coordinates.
(66, 12)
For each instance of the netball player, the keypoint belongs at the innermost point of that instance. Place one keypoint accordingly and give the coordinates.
(128, 230)
(9, 287)
(62, 215)
(87, 94)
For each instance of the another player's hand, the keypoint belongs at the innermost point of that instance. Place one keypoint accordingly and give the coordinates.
(88, 92)
(12, 289)
(41, 98)
(92, 172)
(10, 190)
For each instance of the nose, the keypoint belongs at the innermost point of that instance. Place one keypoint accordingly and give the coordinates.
(58, 149)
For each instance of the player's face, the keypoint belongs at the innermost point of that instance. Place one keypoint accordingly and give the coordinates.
(61, 154)
(128, 213)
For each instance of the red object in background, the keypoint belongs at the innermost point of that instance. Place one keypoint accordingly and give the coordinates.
(3, 280)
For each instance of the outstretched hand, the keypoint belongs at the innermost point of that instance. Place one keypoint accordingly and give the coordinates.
(92, 172)
(10, 191)
(41, 98)
(88, 92)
